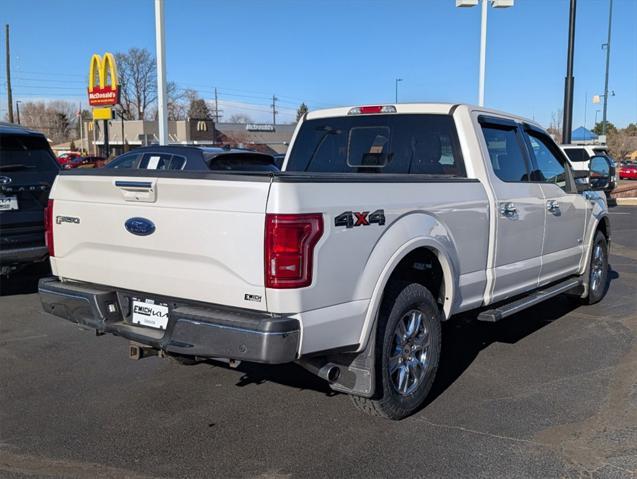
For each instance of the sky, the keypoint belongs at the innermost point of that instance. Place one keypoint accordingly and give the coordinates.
(336, 52)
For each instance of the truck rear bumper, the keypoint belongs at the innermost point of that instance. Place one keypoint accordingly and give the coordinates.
(193, 329)
(23, 255)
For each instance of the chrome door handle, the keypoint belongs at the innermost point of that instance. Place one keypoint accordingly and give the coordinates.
(508, 209)
(552, 206)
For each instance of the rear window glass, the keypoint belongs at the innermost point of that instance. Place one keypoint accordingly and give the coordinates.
(577, 154)
(399, 144)
(240, 162)
(24, 152)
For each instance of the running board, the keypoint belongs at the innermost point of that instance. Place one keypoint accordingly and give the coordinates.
(496, 314)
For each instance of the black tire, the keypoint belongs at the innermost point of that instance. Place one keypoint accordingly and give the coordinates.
(597, 270)
(403, 392)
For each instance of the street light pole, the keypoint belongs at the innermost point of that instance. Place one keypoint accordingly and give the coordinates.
(610, 19)
(483, 36)
(162, 100)
(483, 53)
(397, 80)
(569, 81)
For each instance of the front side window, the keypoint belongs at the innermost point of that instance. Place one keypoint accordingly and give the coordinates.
(128, 160)
(398, 144)
(505, 153)
(547, 167)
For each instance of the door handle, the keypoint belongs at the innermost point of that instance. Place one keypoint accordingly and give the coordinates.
(552, 206)
(508, 209)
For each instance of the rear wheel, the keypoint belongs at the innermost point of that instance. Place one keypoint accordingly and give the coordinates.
(598, 270)
(408, 351)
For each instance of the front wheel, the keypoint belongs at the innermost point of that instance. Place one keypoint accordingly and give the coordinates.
(407, 352)
(598, 270)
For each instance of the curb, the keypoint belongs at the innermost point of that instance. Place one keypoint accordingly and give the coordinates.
(626, 201)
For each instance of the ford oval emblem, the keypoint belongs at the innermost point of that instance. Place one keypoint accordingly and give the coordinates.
(140, 226)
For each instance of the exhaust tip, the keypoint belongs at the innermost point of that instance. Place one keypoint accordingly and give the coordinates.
(332, 373)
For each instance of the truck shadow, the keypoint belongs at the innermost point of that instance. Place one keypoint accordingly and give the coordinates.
(463, 338)
(24, 281)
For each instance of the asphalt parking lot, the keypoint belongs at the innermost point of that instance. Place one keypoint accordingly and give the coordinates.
(551, 392)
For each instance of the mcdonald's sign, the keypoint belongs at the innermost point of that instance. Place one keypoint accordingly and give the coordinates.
(103, 88)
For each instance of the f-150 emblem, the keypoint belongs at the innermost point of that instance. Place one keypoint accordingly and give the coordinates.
(350, 219)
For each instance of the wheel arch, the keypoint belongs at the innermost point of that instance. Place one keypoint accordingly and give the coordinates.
(413, 237)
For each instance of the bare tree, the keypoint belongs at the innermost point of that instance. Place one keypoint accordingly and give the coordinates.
(56, 119)
(137, 71)
(177, 97)
(555, 128)
(621, 143)
(241, 118)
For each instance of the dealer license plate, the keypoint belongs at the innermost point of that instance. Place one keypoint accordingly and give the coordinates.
(8, 203)
(148, 313)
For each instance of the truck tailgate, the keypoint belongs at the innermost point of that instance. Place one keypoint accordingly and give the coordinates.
(207, 243)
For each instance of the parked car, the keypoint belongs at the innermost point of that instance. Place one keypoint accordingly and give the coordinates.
(193, 158)
(27, 171)
(628, 170)
(86, 162)
(387, 221)
(66, 158)
(580, 157)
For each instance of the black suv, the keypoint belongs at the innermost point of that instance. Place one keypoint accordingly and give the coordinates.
(27, 171)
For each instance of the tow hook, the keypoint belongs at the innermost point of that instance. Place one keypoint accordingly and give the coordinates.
(138, 351)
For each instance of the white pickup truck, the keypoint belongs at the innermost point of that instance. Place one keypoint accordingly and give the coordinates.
(384, 221)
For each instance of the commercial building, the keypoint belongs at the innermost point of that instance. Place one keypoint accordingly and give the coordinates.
(127, 134)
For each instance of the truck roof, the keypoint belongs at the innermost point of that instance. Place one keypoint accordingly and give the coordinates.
(423, 108)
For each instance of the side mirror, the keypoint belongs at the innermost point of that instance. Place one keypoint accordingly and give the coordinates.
(600, 172)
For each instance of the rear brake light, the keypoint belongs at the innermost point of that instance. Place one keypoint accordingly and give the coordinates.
(48, 228)
(289, 249)
(366, 110)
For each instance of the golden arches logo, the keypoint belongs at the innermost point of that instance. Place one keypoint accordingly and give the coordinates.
(103, 88)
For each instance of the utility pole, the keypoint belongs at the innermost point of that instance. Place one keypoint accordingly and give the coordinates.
(9, 93)
(214, 128)
(569, 81)
(79, 126)
(17, 109)
(274, 112)
(162, 97)
(610, 18)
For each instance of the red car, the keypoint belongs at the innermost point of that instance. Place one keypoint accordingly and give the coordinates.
(65, 158)
(86, 162)
(628, 170)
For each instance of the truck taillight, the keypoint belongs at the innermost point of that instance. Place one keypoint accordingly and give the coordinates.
(48, 228)
(289, 249)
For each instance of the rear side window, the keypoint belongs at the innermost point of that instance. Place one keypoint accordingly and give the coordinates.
(398, 144)
(576, 154)
(26, 153)
(505, 153)
(162, 161)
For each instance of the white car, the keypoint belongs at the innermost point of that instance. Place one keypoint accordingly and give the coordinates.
(580, 157)
(385, 221)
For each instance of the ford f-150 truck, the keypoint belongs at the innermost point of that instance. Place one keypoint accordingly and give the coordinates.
(385, 221)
